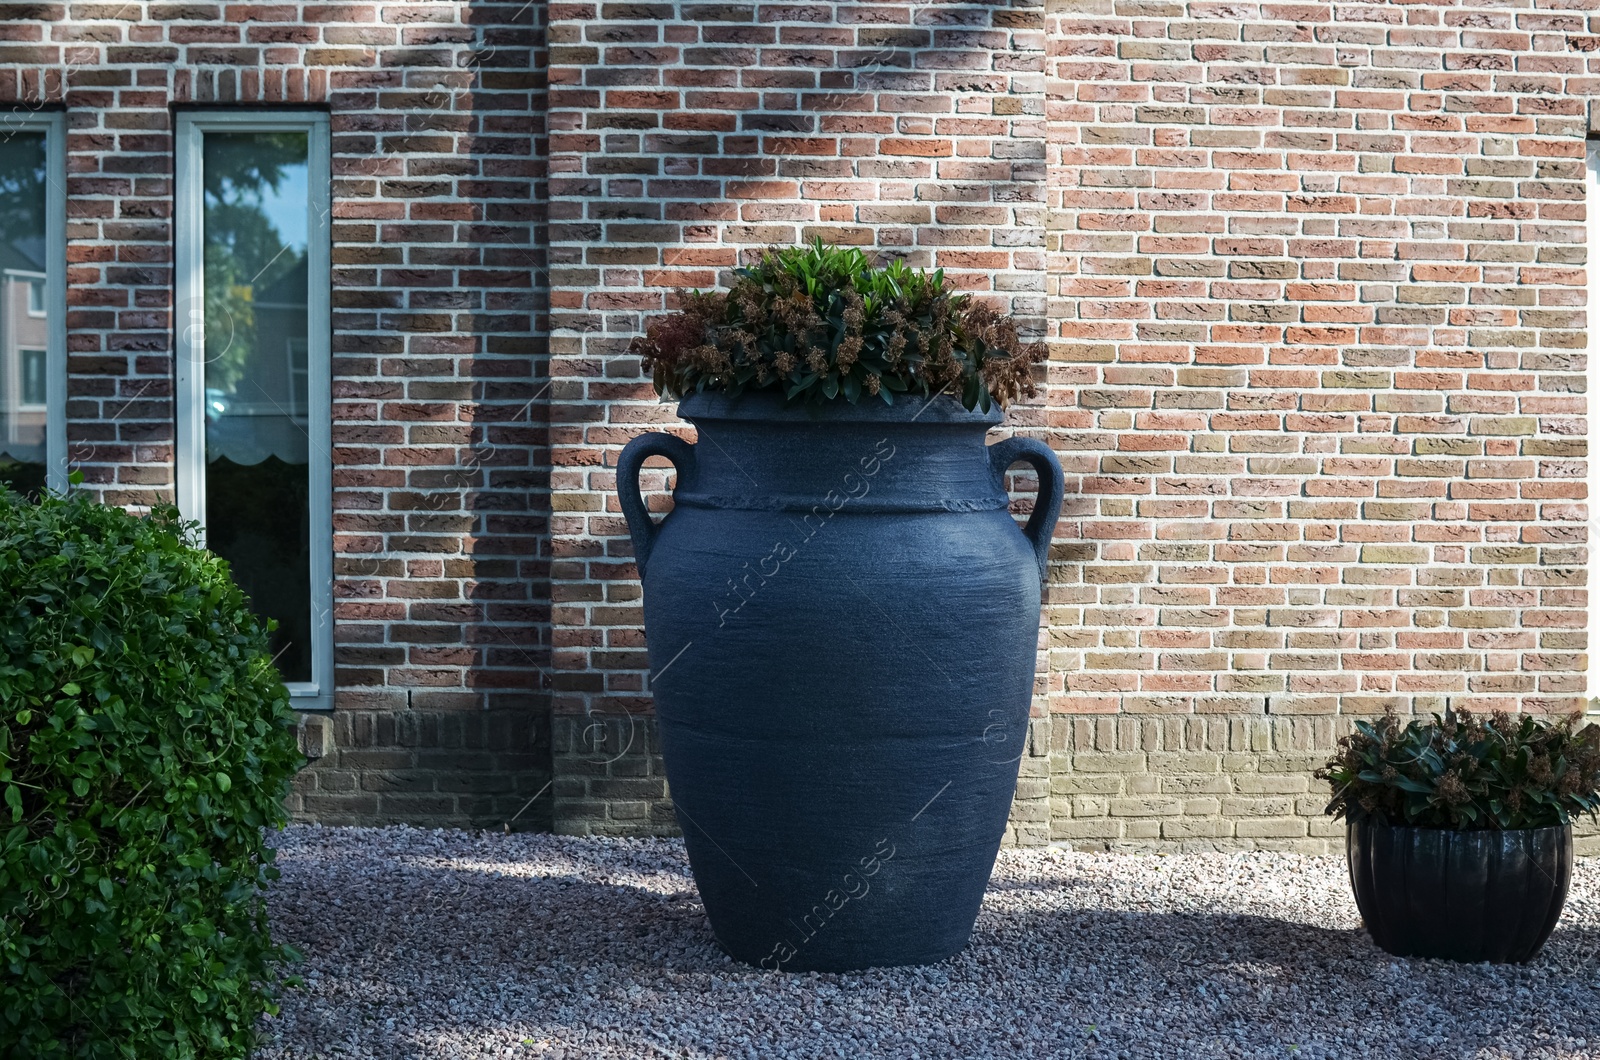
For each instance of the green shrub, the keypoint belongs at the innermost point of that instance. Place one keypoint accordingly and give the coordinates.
(1464, 772)
(146, 747)
(818, 323)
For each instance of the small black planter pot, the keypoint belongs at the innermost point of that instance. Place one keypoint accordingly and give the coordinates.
(1483, 895)
(842, 619)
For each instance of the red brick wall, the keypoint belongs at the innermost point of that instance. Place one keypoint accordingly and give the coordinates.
(440, 316)
(1315, 279)
(687, 135)
(1317, 289)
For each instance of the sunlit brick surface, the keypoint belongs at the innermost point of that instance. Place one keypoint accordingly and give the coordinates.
(1317, 289)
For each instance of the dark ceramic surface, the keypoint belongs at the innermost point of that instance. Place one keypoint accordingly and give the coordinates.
(842, 618)
(1482, 895)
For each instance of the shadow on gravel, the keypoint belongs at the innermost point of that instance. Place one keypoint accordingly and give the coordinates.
(614, 921)
(419, 960)
(1203, 939)
(1184, 938)
(1245, 985)
(521, 919)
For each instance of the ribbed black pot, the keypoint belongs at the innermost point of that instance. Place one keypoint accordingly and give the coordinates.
(1483, 895)
(842, 619)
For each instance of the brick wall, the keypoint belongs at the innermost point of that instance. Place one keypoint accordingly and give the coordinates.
(684, 136)
(439, 350)
(1312, 276)
(1315, 281)
(1317, 289)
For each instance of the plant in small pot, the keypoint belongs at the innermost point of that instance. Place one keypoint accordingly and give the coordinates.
(841, 613)
(1460, 837)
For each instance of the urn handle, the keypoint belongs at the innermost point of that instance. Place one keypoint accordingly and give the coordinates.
(640, 527)
(1052, 485)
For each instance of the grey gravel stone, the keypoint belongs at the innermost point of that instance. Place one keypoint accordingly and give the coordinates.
(475, 945)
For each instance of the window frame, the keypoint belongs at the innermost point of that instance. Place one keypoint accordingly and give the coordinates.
(54, 126)
(188, 327)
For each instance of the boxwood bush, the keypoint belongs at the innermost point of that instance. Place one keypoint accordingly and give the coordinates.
(146, 746)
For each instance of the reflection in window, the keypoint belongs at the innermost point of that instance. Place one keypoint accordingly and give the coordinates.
(256, 445)
(32, 384)
(24, 320)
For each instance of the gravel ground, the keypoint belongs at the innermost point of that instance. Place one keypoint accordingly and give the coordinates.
(457, 944)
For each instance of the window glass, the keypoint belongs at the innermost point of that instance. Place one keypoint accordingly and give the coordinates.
(24, 320)
(256, 325)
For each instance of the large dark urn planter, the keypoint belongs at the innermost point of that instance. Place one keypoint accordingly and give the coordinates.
(842, 618)
(1483, 895)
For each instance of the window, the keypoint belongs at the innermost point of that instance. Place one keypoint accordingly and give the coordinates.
(252, 339)
(33, 310)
